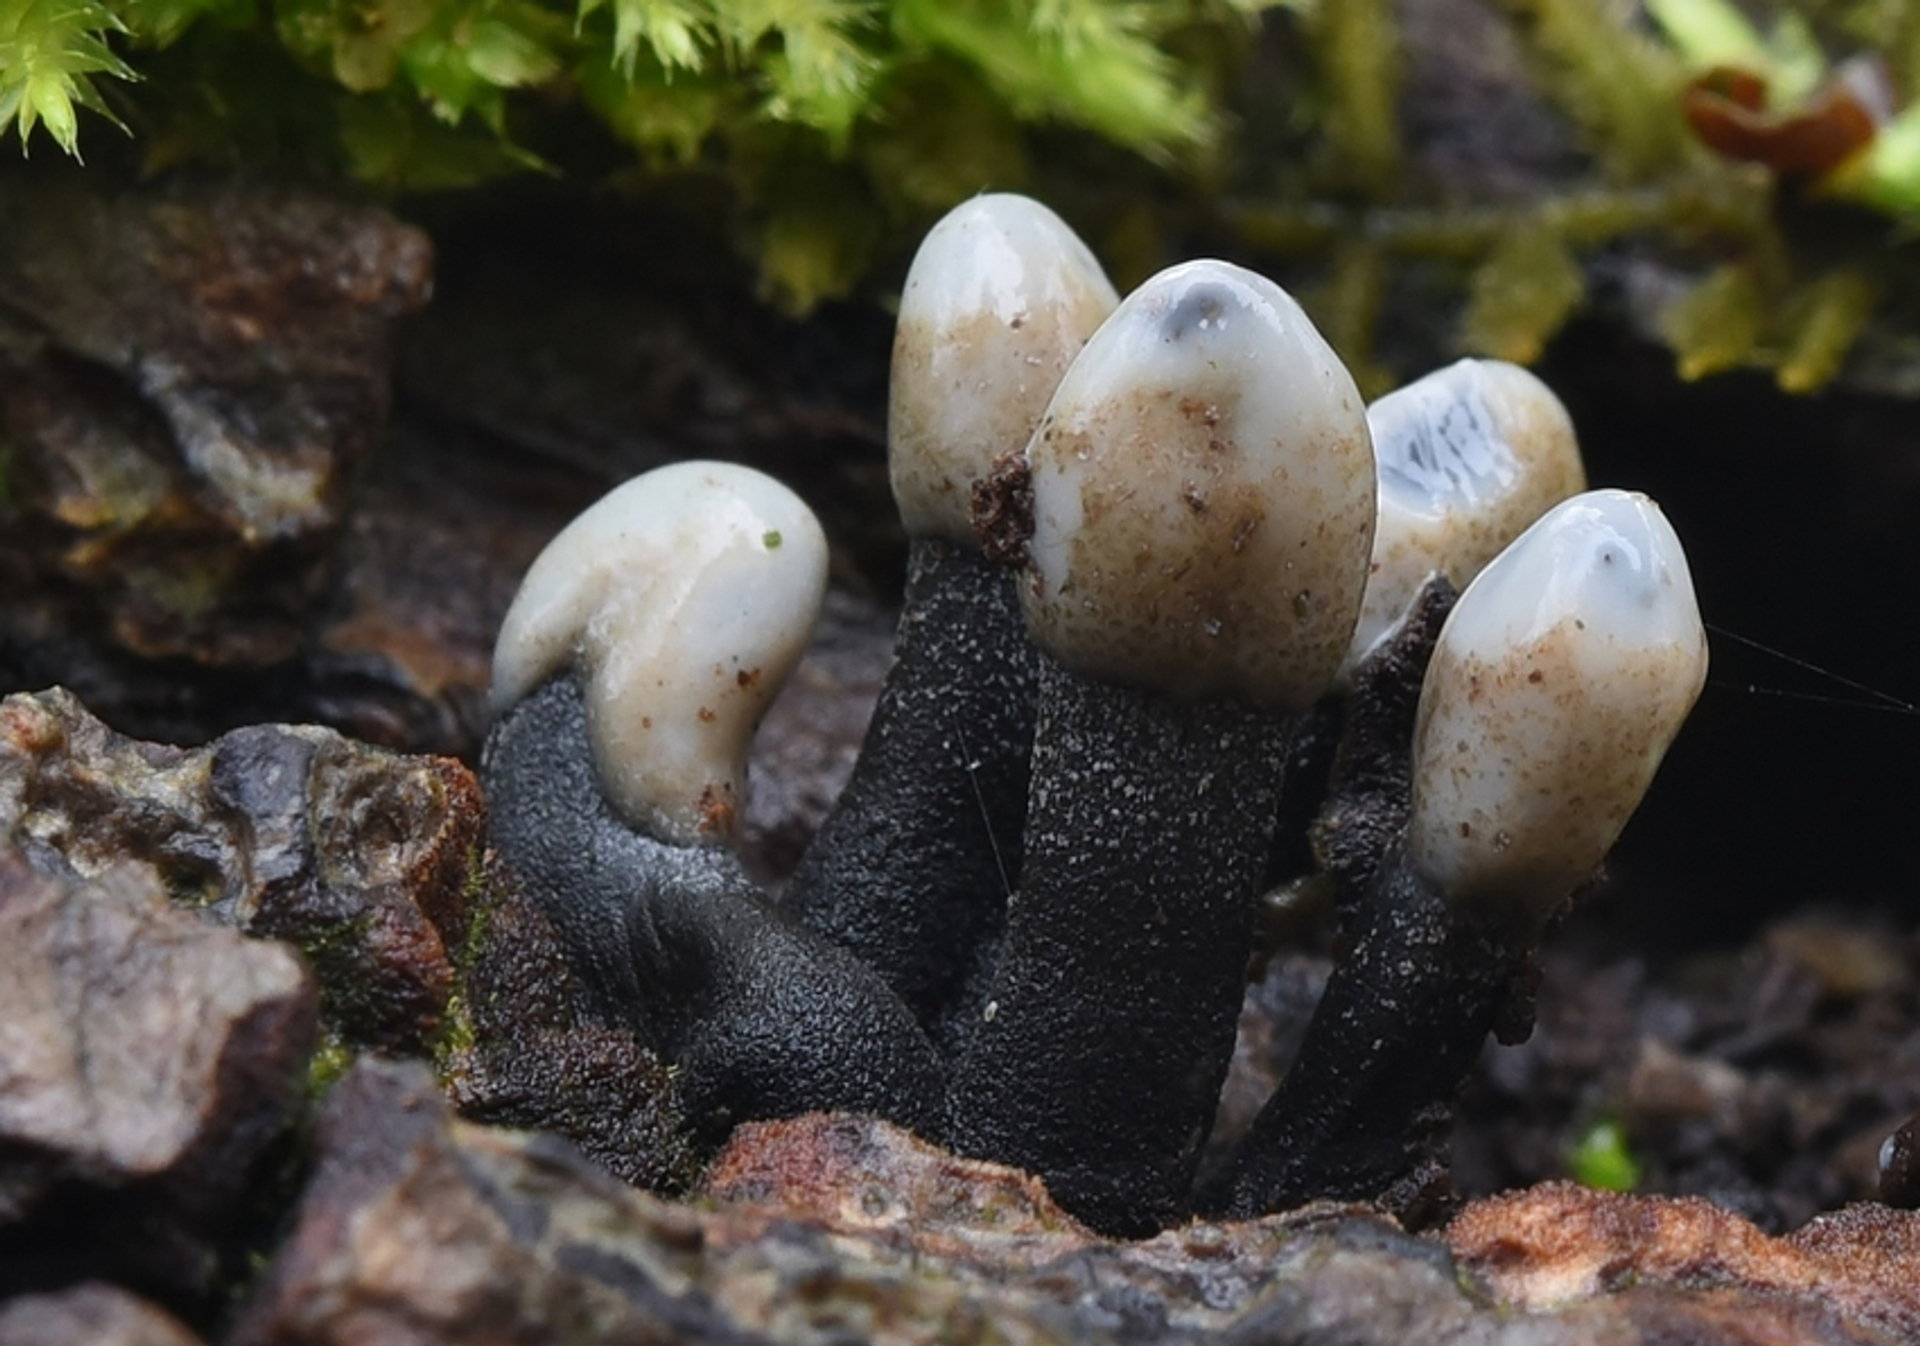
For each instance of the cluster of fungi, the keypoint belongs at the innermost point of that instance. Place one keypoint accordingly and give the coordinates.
(1184, 620)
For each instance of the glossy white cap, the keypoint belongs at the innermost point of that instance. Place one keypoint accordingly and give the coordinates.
(682, 600)
(1000, 298)
(1203, 496)
(1557, 684)
(1467, 458)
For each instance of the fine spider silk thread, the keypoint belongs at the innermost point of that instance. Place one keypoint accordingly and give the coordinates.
(1869, 698)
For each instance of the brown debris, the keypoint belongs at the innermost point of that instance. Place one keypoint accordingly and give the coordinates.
(1002, 510)
(854, 1175)
(1727, 109)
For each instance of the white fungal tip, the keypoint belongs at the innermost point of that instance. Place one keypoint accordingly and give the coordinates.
(1559, 680)
(682, 600)
(1467, 456)
(1000, 298)
(1203, 496)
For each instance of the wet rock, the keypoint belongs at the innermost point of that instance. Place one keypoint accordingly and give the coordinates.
(284, 832)
(192, 381)
(441, 532)
(147, 1059)
(419, 1228)
(1848, 1276)
(188, 377)
(91, 1314)
(374, 865)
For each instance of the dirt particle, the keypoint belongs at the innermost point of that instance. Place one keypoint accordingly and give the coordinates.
(716, 808)
(1002, 513)
(1207, 413)
(706, 715)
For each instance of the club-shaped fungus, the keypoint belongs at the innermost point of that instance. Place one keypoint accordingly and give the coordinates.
(629, 676)
(1202, 507)
(1555, 687)
(911, 870)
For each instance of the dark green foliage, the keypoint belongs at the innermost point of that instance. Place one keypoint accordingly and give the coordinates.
(827, 118)
(1778, 265)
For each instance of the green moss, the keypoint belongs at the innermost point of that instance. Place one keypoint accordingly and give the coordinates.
(1823, 320)
(1717, 323)
(1600, 1157)
(1787, 272)
(330, 1060)
(50, 54)
(1522, 293)
(454, 1038)
(829, 120)
(1357, 45)
(829, 133)
(1619, 84)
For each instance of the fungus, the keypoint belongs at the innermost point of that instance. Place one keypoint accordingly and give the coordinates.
(1557, 683)
(1202, 508)
(912, 868)
(1191, 520)
(1467, 457)
(628, 677)
(683, 599)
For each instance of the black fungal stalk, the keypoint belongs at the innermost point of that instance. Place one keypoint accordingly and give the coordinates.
(630, 672)
(912, 869)
(1175, 664)
(1098, 1058)
(1554, 689)
(1363, 1111)
(761, 1019)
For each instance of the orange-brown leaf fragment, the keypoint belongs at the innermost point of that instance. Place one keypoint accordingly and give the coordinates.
(1727, 110)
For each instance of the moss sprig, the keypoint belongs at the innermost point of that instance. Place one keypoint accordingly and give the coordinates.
(827, 120)
(1760, 153)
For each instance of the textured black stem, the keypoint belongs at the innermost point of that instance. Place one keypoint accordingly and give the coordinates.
(1362, 1111)
(1343, 797)
(1309, 758)
(1098, 1059)
(912, 869)
(763, 1019)
(1369, 787)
